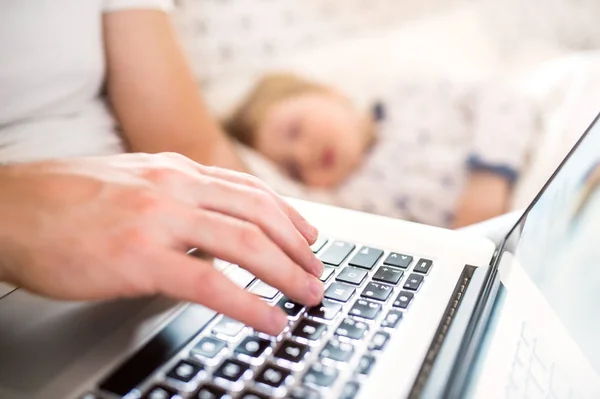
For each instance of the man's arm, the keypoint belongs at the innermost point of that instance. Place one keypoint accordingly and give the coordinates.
(117, 227)
(153, 92)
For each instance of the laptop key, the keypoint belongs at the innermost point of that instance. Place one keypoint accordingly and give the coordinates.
(293, 352)
(366, 257)
(403, 299)
(248, 394)
(365, 365)
(339, 292)
(263, 290)
(413, 282)
(352, 329)
(320, 375)
(377, 291)
(351, 275)
(350, 390)
(379, 341)
(327, 272)
(327, 310)
(161, 392)
(304, 393)
(337, 351)
(208, 347)
(228, 327)
(319, 244)
(392, 319)
(335, 254)
(210, 392)
(398, 260)
(273, 376)
(365, 309)
(252, 347)
(185, 371)
(291, 308)
(309, 329)
(232, 370)
(423, 266)
(386, 274)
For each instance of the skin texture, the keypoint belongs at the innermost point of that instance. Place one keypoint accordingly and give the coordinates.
(318, 139)
(153, 93)
(111, 227)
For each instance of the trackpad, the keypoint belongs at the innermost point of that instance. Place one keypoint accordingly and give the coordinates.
(39, 338)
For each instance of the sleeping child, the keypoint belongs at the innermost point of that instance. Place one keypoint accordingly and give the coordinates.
(440, 153)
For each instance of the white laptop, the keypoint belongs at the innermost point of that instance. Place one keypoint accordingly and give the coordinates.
(411, 311)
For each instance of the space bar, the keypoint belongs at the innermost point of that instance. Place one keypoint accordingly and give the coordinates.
(158, 350)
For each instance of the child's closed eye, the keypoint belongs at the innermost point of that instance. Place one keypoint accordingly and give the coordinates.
(293, 130)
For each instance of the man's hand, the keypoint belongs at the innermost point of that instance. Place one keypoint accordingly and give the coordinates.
(485, 196)
(120, 226)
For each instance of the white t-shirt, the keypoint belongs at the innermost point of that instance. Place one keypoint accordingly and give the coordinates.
(52, 72)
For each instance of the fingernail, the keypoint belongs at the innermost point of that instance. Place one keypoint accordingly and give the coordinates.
(312, 232)
(315, 287)
(317, 267)
(279, 320)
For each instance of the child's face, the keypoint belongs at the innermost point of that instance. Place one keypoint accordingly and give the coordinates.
(316, 138)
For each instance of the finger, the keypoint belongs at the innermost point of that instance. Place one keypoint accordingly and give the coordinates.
(245, 244)
(193, 280)
(308, 231)
(259, 208)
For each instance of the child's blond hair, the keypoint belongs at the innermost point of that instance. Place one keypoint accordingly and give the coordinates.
(268, 91)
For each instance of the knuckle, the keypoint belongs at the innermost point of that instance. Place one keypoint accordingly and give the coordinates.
(251, 237)
(253, 181)
(160, 175)
(261, 202)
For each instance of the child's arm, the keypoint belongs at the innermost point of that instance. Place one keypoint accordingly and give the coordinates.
(485, 196)
(503, 125)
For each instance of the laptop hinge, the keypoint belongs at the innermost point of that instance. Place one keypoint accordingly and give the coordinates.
(447, 350)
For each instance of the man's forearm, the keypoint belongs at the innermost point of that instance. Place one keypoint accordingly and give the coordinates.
(153, 92)
(205, 148)
(220, 152)
(7, 226)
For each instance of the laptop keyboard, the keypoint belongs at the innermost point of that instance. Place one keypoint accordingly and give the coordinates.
(325, 350)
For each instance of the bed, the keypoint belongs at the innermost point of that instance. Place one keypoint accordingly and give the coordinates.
(362, 46)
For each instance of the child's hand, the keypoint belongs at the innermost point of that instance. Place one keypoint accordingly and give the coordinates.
(485, 196)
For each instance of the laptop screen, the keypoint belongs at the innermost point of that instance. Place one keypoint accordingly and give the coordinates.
(543, 339)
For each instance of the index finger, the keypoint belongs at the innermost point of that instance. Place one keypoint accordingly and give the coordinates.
(192, 280)
(308, 231)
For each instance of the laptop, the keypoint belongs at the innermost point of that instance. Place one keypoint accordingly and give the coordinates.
(411, 311)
